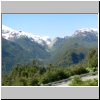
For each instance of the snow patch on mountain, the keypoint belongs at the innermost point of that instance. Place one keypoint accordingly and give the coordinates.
(85, 32)
(54, 41)
(9, 33)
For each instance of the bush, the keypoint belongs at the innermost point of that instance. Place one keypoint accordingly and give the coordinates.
(77, 81)
(30, 75)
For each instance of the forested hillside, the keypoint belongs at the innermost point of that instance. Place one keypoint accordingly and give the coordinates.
(34, 74)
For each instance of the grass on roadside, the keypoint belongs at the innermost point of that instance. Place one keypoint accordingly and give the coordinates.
(77, 81)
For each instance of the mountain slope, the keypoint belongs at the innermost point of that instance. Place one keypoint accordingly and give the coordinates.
(36, 50)
(11, 34)
(21, 47)
(12, 54)
(75, 48)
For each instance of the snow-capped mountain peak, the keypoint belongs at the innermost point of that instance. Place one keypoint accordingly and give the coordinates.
(85, 32)
(9, 33)
(7, 28)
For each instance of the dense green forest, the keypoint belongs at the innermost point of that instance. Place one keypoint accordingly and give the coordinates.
(36, 74)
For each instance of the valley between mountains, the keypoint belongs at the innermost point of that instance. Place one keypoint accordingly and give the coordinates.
(32, 60)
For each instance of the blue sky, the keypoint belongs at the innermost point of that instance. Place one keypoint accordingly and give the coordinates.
(53, 25)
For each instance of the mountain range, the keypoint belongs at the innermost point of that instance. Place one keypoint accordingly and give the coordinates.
(19, 47)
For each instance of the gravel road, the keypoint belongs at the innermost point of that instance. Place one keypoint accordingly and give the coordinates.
(83, 78)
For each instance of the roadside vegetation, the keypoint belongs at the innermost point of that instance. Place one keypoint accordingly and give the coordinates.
(35, 75)
(77, 81)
